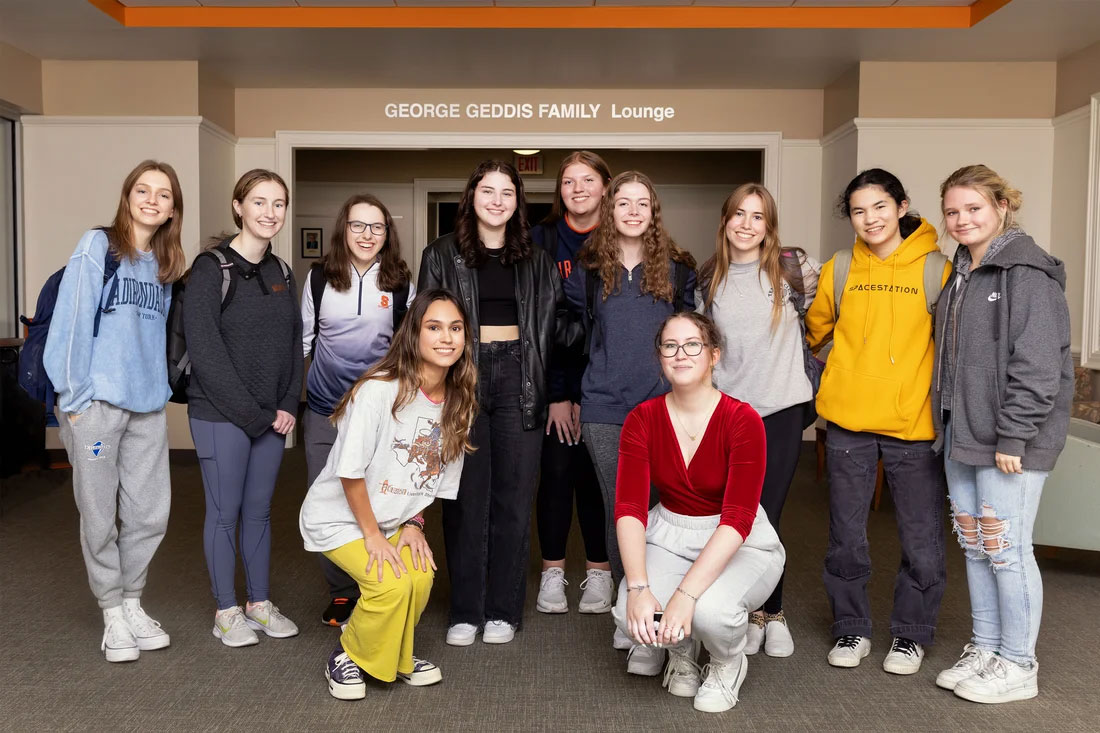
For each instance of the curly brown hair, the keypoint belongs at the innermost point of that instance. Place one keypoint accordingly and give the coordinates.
(602, 254)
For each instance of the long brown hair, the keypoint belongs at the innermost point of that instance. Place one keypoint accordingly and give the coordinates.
(402, 362)
(393, 272)
(584, 157)
(165, 242)
(601, 252)
(517, 240)
(775, 259)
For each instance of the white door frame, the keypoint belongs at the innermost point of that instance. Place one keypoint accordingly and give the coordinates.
(286, 142)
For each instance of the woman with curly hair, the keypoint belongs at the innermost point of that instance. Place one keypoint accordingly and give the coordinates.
(631, 277)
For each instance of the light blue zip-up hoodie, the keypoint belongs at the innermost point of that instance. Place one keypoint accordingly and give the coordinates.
(126, 364)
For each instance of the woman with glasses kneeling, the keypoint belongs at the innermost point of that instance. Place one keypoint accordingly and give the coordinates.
(705, 555)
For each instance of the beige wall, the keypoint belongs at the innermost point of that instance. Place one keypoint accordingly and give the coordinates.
(839, 160)
(841, 100)
(217, 98)
(799, 195)
(795, 112)
(1078, 79)
(162, 88)
(1069, 202)
(20, 79)
(957, 90)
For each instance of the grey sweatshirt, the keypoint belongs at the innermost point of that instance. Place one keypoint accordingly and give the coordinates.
(246, 360)
(1004, 333)
(758, 365)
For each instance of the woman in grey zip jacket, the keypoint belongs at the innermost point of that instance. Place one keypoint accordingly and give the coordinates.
(1002, 389)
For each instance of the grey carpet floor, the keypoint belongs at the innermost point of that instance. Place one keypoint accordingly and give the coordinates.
(559, 674)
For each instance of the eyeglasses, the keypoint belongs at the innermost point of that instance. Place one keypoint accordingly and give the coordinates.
(692, 348)
(358, 227)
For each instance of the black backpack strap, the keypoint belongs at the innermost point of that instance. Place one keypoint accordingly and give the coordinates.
(317, 291)
(680, 271)
(591, 283)
(229, 283)
(110, 268)
(400, 304)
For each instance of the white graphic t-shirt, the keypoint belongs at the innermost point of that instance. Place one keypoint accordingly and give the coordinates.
(400, 460)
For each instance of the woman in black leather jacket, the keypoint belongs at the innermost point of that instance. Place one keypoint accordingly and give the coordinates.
(512, 293)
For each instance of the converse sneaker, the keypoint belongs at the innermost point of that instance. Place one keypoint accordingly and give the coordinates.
(849, 650)
(904, 657)
(266, 617)
(552, 592)
(148, 632)
(754, 637)
(597, 589)
(777, 636)
(338, 612)
(970, 663)
(498, 632)
(682, 674)
(647, 661)
(119, 643)
(424, 673)
(345, 679)
(231, 628)
(721, 685)
(461, 634)
(1000, 681)
(620, 641)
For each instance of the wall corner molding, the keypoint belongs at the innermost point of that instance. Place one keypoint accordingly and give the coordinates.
(848, 128)
(1078, 115)
(111, 121)
(217, 131)
(951, 123)
(1090, 330)
(801, 143)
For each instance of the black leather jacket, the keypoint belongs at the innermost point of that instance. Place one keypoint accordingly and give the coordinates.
(540, 308)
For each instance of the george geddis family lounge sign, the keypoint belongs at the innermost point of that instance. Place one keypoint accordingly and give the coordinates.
(526, 111)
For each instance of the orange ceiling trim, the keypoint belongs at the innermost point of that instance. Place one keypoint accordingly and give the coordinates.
(693, 17)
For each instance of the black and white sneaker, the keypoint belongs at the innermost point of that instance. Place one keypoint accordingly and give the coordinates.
(345, 679)
(904, 657)
(424, 673)
(849, 650)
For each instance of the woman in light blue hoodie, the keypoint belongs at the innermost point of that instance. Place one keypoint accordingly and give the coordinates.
(105, 355)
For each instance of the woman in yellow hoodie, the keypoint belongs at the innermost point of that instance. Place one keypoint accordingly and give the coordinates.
(875, 395)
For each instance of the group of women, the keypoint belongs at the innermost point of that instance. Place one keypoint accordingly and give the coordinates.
(583, 359)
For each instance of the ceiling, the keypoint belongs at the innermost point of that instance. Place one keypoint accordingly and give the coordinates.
(538, 3)
(1023, 30)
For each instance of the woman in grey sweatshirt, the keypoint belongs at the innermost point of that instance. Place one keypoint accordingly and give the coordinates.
(1002, 389)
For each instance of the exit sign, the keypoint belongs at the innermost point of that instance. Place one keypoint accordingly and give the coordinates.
(529, 165)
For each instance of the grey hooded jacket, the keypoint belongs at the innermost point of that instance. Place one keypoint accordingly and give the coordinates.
(1003, 331)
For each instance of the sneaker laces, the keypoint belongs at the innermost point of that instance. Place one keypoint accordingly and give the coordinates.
(908, 647)
(994, 667)
(970, 656)
(346, 669)
(554, 579)
(602, 577)
(141, 622)
(849, 641)
(680, 664)
(231, 619)
(118, 631)
(499, 624)
(714, 679)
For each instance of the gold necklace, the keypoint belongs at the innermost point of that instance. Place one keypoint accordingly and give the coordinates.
(676, 414)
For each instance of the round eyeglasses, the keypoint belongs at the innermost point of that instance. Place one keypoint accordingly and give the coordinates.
(692, 348)
(358, 227)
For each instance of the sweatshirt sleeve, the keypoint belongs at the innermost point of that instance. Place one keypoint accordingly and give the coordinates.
(293, 395)
(210, 358)
(1038, 334)
(633, 480)
(307, 316)
(744, 470)
(819, 318)
(67, 356)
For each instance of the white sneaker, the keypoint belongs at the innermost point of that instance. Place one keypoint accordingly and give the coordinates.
(1000, 681)
(620, 640)
(598, 589)
(904, 657)
(754, 637)
(552, 592)
(777, 636)
(461, 634)
(849, 650)
(424, 673)
(147, 632)
(119, 643)
(721, 686)
(498, 632)
(970, 663)
(266, 617)
(682, 674)
(647, 661)
(230, 626)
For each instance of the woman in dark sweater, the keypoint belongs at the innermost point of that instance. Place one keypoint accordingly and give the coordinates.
(243, 395)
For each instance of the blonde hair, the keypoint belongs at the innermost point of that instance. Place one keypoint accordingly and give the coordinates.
(992, 187)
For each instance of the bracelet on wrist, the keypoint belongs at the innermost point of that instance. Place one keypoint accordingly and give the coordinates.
(417, 521)
(681, 590)
(639, 586)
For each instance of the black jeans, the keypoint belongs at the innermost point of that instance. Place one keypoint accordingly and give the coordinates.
(320, 434)
(568, 470)
(919, 490)
(487, 529)
(783, 431)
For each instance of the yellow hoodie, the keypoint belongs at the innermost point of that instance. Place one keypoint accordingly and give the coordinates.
(878, 376)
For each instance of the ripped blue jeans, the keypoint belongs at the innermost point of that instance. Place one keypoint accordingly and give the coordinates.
(993, 514)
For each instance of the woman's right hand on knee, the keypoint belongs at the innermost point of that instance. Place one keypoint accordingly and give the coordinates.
(640, 607)
(379, 551)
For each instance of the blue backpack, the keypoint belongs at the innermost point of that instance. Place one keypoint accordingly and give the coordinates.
(32, 373)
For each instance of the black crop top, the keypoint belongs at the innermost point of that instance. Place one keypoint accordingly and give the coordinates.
(496, 283)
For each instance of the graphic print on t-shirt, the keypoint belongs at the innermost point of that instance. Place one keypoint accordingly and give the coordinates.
(423, 458)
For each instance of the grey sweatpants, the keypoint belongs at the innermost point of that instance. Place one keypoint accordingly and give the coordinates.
(320, 434)
(673, 543)
(123, 492)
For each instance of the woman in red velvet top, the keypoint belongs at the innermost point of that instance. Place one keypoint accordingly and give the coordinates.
(706, 555)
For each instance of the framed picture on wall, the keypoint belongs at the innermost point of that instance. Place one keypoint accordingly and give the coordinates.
(311, 242)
